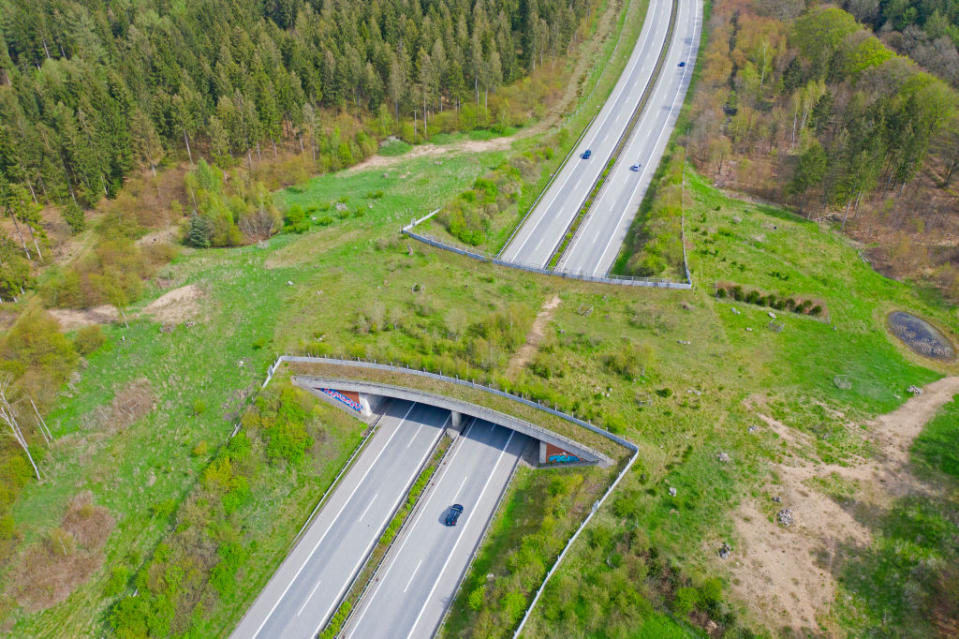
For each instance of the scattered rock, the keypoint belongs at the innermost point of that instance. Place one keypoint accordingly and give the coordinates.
(752, 429)
(289, 282)
(685, 342)
(672, 491)
(723, 457)
(748, 329)
(785, 517)
(778, 499)
(842, 382)
(736, 311)
(771, 315)
(724, 550)
(340, 206)
(915, 390)
(775, 327)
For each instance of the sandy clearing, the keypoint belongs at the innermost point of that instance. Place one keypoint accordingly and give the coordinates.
(784, 574)
(427, 150)
(176, 306)
(72, 319)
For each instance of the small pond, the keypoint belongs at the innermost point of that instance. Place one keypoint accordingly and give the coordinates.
(921, 336)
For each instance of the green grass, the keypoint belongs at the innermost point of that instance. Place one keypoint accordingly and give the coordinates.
(937, 448)
(540, 511)
(904, 583)
(607, 64)
(395, 148)
(297, 292)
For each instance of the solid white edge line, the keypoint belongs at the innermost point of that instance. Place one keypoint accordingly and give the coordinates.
(406, 538)
(452, 552)
(375, 540)
(333, 521)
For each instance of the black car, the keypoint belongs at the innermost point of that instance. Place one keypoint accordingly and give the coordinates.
(634, 168)
(585, 155)
(453, 514)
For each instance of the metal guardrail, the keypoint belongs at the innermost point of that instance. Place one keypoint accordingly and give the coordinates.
(624, 280)
(572, 150)
(455, 380)
(576, 225)
(306, 359)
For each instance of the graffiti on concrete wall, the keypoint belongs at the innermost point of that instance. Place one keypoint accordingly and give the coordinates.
(556, 455)
(343, 397)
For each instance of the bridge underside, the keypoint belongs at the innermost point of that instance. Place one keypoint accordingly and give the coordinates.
(363, 399)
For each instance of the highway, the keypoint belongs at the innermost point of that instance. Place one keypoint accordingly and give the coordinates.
(546, 225)
(305, 590)
(596, 244)
(421, 573)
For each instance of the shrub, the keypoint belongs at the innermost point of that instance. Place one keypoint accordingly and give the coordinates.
(75, 218)
(686, 601)
(720, 293)
(89, 339)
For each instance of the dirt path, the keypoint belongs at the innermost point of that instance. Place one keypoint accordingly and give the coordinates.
(428, 150)
(533, 338)
(785, 574)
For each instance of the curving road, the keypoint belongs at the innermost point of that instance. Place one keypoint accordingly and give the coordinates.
(595, 246)
(542, 232)
(419, 576)
(306, 588)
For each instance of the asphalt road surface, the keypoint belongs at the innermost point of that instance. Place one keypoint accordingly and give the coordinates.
(544, 228)
(422, 571)
(596, 245)
(305, 590)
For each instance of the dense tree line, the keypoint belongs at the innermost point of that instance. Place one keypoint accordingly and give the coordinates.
(91, 90)
(818, 110)
(925, 30)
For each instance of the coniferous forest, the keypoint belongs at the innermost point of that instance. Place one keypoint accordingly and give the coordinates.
(91, 90)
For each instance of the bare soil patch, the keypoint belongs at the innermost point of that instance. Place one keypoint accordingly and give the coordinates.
(526, 352)
(70, 554)
(72, 319)
(428, 150)
(177, 306)
(784, 573)
(130, 404)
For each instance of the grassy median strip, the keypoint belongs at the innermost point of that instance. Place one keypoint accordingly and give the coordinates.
(386, 540)
(634, 118)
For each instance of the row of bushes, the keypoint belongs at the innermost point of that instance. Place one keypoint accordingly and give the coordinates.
(771, 300)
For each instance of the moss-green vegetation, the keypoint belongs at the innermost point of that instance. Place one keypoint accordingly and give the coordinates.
(667, 369)
(654, 246)
(226, 541)
(540, 512)
(905, 583)
(485, 218)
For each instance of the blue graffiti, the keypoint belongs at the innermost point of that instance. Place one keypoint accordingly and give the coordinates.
(562, 459)
(335, 394)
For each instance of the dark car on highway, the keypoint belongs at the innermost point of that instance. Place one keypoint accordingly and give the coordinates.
(453, 514)
(634, 168)
(683, 63)
(585, 155)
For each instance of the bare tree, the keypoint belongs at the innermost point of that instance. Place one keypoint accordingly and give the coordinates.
(8, 415)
